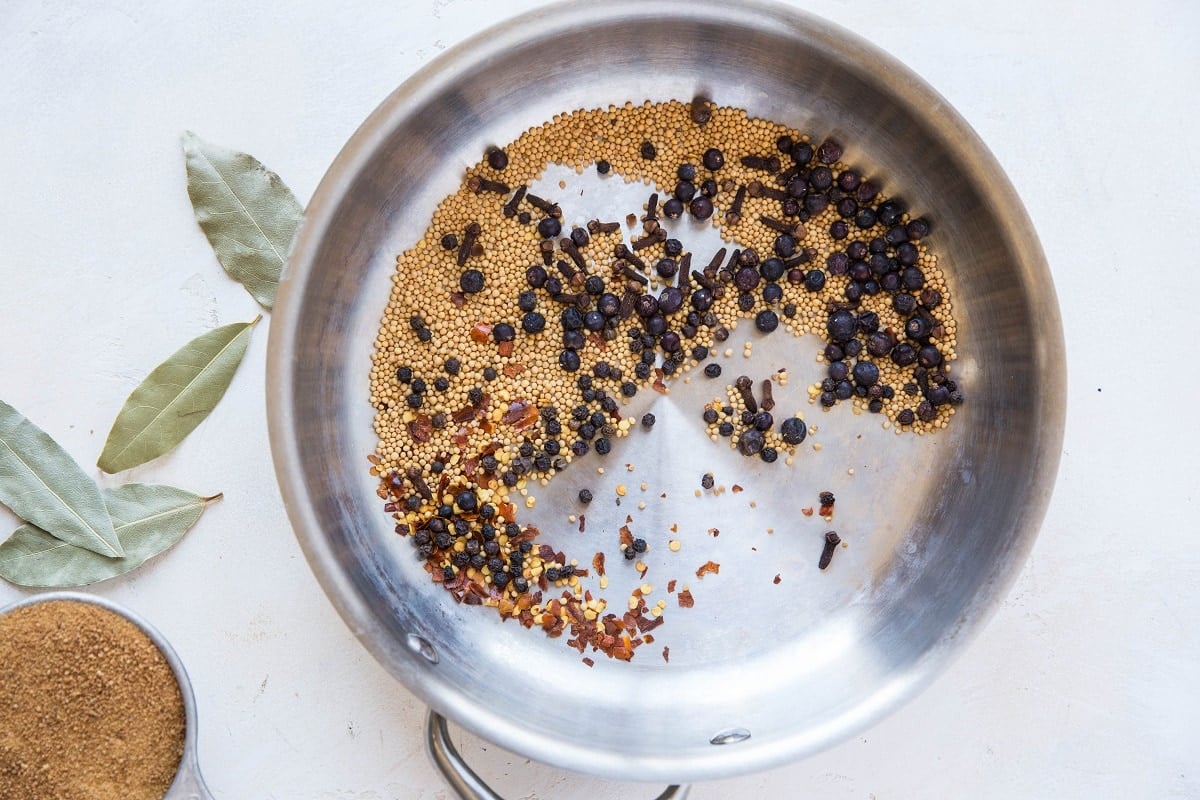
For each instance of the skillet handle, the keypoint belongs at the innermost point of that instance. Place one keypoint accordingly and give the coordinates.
(462, 778)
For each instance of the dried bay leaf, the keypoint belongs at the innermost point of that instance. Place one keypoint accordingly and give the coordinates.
(245, 210)
(42, 484)
(148, 520)
(176, 397)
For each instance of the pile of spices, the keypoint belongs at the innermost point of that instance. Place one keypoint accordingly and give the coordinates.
(89, 707)
(511, 339)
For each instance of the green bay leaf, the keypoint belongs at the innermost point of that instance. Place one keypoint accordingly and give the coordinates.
(148, 520)
(42, 484)
(176, 397)
(245, 210)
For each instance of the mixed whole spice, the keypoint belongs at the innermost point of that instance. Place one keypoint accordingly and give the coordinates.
(511, 342)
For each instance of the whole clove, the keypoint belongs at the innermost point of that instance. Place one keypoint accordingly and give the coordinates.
(768, 402)
(478, 183)
(734, 215)
(569, 247)
(470, 236)
(756, 189)
(745, 388)
(768, 163)
(510, 207)
(596, 226)
(545, 206)
(832, 540)
(621, 251)
(658, 236)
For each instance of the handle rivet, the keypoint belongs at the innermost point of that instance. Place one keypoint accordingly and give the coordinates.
(730, 736)
(421, 647)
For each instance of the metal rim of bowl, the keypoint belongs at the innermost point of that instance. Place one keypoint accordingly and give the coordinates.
(910, 90)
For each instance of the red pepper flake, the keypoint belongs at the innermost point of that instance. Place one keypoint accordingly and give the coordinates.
(481, 332)
(598, 564)
(645, 624)
(736, 489)
(658, 384)
(589, 662)
(458, 299)
(420, 429)
(626, 537)
(505, 349)
(714, 532)
(470, 466)
(671, 586)
(464, 414)
(777, 580)
(513, 368)
(685, 599)
(582, 523)
(708, 567)
(520, 415)
(645, 568)
(666, 654)
(461, 436)
(808, 512)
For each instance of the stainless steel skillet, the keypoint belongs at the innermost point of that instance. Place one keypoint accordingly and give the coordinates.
(760, 672)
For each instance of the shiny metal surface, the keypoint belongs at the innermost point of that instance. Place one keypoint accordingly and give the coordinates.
(760, 673)
(188, 783)
(463, 780)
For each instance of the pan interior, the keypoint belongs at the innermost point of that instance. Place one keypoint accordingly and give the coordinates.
(936, 525)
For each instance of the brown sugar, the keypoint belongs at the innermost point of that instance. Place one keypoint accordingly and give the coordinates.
(89, 707)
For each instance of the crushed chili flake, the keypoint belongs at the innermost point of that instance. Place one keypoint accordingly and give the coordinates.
(582, 523)
(645, 624)
(777, 579)
(626, 536)
(671, 586)
(513, 368)
(658, 384)
(504, 349)
(521, 415)
(589, 662)
(707, 568)
(598, 564)
(420, 429)
(714, 532)
(685, 599)
(458, 299)
(481, 332)
(736, 489)
(808, 512)
(666, 654)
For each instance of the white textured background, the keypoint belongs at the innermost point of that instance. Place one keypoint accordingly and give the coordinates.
(1083, 685)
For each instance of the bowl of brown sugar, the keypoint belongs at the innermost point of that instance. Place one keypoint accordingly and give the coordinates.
(94, 705)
